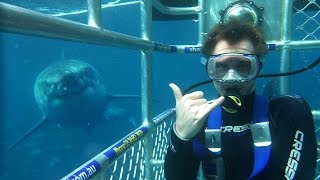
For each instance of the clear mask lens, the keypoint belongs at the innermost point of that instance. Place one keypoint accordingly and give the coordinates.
(235, 67)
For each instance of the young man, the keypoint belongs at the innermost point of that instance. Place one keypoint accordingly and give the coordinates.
(240, 135)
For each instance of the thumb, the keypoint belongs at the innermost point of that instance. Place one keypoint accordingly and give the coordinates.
(214, 103)
(176, 91)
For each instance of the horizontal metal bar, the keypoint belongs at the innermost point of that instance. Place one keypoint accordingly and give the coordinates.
(176, 48)
(307, 44)
(274, 45)
(19, 20)
(175, 10)
(188, 48)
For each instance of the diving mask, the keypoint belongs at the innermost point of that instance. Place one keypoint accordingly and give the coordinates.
(228, 67)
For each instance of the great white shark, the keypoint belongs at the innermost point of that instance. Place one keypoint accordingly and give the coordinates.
(70, 93)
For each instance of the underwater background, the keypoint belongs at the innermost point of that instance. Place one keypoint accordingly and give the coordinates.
(51, 154)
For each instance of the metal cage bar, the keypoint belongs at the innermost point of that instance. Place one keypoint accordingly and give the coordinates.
(94, 13)
(201, 22)
(19, 20)
(146, 86)
(286, 51)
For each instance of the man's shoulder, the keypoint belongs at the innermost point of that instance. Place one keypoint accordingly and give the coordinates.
(287, 102)
(290, 111)
(287, 97)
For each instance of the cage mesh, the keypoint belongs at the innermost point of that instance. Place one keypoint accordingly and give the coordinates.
(130, 166)
(161, 143)
(306, 25)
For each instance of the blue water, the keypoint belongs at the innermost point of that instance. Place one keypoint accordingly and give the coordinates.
(51, 155)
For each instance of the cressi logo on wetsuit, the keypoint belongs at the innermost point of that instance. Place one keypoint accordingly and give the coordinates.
(293, 160)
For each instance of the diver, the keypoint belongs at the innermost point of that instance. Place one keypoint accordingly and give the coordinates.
(240, 135)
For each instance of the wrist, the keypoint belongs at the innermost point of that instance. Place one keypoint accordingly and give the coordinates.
(177, 134)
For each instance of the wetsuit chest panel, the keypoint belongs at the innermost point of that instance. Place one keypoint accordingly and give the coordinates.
(238, 151)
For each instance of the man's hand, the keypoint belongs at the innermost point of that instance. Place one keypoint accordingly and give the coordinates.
(191, 111)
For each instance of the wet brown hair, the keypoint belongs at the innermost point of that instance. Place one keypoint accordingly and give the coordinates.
(234, 32)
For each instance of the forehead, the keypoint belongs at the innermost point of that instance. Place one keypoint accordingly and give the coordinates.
(244, 46)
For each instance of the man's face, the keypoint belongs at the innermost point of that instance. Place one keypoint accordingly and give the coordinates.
(234, 87)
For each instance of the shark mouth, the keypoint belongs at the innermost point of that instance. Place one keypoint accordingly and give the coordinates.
(65, 79)
(69, 85)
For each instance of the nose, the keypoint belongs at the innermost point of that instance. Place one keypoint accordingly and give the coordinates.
(231, 76)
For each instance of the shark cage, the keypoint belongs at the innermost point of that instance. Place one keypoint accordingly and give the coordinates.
(140, 154)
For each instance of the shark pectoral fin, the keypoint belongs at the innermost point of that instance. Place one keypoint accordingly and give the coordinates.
(32, 130)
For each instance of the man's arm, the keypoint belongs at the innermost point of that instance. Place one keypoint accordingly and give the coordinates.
(180, 163)
(191, 112)
(294, 151)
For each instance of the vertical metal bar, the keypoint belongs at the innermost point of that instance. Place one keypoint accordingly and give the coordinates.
(316, 114)
(94, 13)
(286, 50)
(284, 67)
(201, 22)
(146, 77)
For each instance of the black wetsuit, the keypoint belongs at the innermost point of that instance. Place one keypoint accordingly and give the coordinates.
(287, 116)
